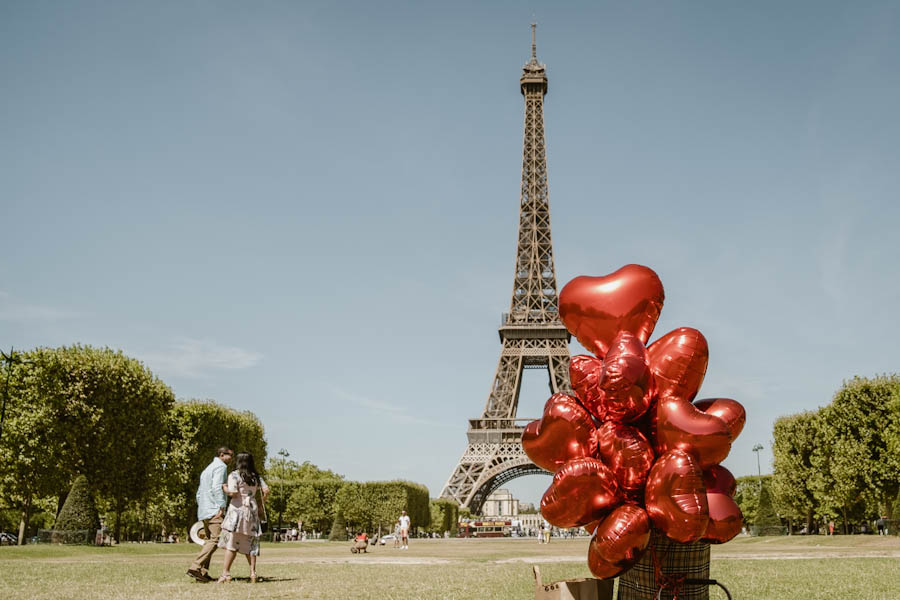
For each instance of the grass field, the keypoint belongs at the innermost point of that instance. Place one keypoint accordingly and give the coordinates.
(795, 568)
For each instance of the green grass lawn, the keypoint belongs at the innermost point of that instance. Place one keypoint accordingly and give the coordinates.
(795, 568)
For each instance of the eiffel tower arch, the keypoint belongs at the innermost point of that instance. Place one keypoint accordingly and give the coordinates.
(531, 333)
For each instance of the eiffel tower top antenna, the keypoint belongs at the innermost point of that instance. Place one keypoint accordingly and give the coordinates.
(533, 43)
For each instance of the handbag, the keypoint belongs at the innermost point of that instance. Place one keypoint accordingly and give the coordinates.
(261, 512)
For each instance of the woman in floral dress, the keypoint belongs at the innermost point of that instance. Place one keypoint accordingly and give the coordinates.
(241, 527)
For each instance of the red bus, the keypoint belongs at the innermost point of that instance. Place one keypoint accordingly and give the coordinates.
(484, 529)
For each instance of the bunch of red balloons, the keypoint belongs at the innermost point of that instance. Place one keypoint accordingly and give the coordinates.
(634, 449)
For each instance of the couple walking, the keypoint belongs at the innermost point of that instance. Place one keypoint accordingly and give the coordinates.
(231, 517)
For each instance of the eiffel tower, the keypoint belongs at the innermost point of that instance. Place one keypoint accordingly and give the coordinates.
(532, 334)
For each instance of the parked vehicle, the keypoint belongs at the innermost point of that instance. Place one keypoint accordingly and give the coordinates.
(8, 539)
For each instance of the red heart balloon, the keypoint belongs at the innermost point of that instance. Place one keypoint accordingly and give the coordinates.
(566, 431)
(628, 455)
(626, 385)
(725, 518)
(678, 361)
(682, 425)
(596, 309)
(619, 541)
(726, 409)
(676, 497)
(583, 490)
(720, 480)
(585, 372)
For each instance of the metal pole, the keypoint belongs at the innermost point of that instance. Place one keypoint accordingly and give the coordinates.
(756, 449)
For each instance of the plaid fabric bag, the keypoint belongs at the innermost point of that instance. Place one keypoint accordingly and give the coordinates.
(664, 565)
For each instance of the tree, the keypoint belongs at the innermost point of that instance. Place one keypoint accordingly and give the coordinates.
(444, 516)
(747, 495)
(111, 414)
(196, 429)
(79, 512)
(313, 502)
(794, 444)
(857, 470)
(291, 492)
(33, 438)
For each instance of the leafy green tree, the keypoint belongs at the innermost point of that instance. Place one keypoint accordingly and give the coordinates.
(286, 477)
(795, 442)
(855, 469)
(313, 502)
(33, 439)
(196, 429)
(747, 495)
(444, 516)
(111, 412)
(78, 512)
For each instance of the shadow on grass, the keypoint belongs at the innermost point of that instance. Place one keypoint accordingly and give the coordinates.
(264, 579)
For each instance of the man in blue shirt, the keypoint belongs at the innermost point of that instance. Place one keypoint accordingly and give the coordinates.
(211, 505)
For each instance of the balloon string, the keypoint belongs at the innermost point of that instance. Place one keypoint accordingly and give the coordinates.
(666, 581)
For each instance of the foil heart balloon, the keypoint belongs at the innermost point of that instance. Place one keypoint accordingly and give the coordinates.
(626, 385)
(726, 409)
(595, 309)
(619, 541)
(566, 431)
(720, 480)
(676, 497)
(584, 374)
(725, 518)
(628, 455)
(678, 361)
(583, 490)
(682, 425)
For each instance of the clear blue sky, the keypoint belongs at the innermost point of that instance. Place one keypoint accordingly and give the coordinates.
(309, 209)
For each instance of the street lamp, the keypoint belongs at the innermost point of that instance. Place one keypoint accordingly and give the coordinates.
(756, 449)
(283, 454)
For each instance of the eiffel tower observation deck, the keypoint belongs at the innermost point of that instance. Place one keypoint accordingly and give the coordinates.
(531, 333)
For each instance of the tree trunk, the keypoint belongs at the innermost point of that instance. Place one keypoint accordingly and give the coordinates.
(844, 514)
(888, 506)
(809, 521)
(23, 522)
(118, 526)
(144, 524)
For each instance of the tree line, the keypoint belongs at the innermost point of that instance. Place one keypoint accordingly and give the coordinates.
(841, 462)
(325, 502)
(94, 412)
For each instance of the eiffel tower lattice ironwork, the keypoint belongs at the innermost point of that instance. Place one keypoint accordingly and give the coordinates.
(532, 334)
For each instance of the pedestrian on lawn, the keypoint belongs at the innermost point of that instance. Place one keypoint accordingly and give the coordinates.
(242, 526)
(210, 509)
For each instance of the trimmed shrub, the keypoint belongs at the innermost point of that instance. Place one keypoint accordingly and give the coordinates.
(338, 529)
(79, 512)
(767, 521)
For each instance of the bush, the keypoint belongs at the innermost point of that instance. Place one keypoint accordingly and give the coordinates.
(338, 529)
(79, 512)
(54, 536)
(767, 521)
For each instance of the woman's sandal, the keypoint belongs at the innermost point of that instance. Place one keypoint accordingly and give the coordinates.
(225, 578)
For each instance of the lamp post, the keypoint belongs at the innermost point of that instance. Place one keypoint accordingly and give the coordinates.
(756, 449)
(283, 454)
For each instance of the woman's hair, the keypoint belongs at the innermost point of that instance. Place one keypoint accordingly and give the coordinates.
(243, 464)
